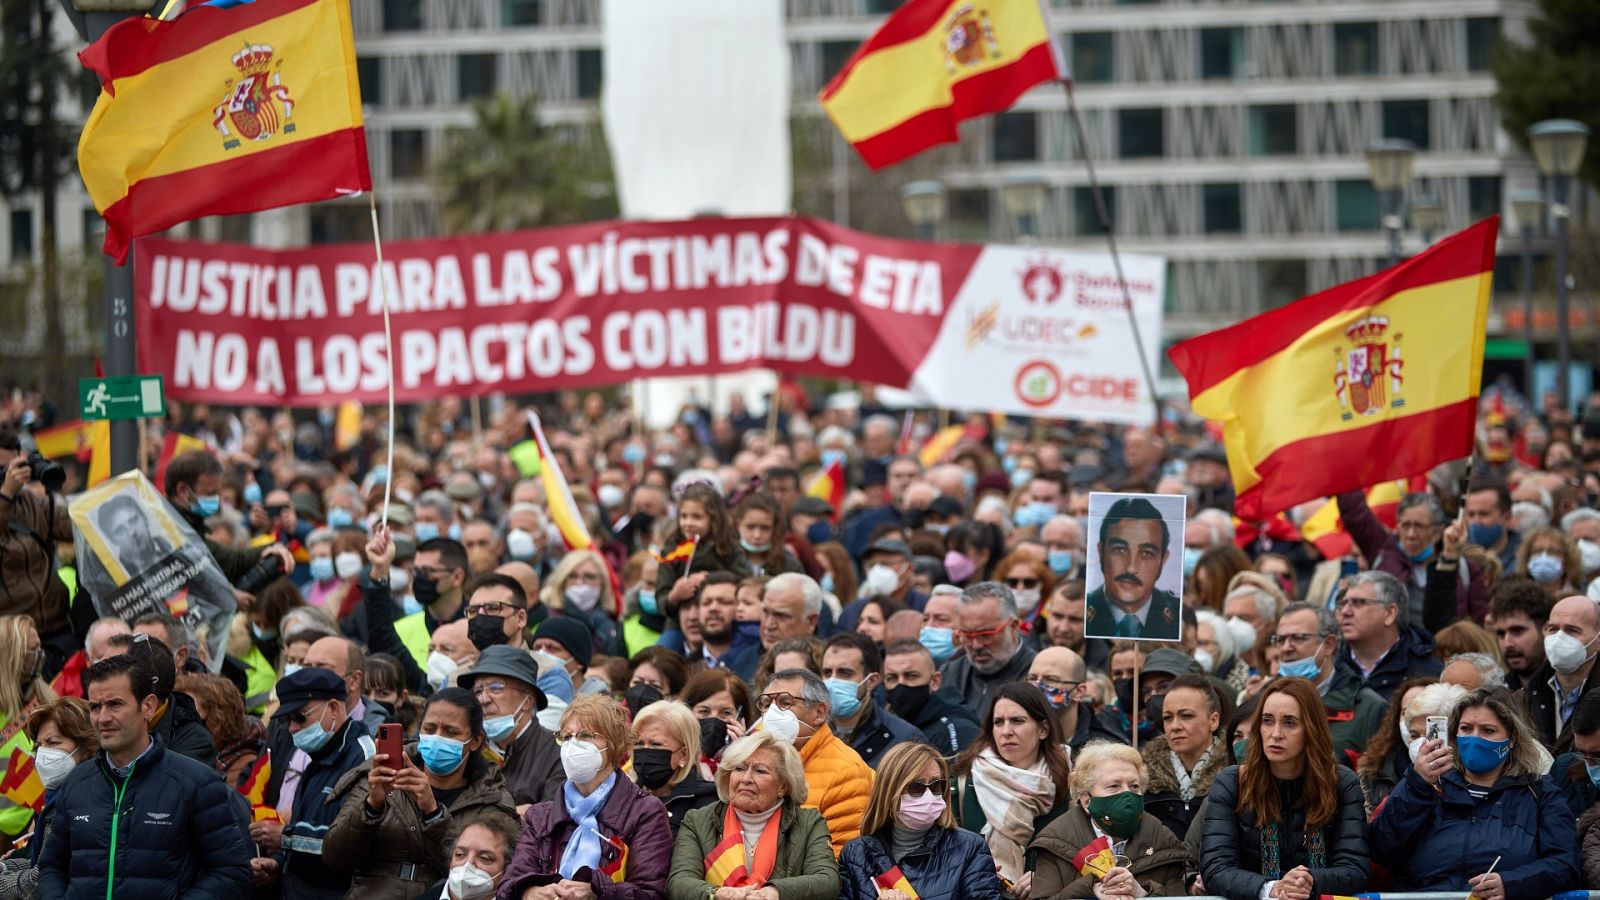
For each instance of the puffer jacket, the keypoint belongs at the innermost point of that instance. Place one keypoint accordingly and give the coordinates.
(176, 835)
(1157, 858)
(1231, 851)
(398, 853)
(838, 783)
(30, 526)
(1434, 840)
(631, 817)
(182, 731)
(688, 795)
(1589, 834)
(951, 863)
(1162, 797)
(805, 868)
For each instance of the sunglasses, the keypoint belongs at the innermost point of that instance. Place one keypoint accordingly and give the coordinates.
(918, 788)
(1025, 584)
(304, 714)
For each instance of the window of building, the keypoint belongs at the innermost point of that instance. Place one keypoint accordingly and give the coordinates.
(1221, 53)
(1408, 120)
(408, 157)
(519, 12)
(21, 234)
(339, 222)
(1224, 211)
(1274, 130)
(1356, 205)
(1280, 281)
(1355, 48)
(834, 55)
(968, 214)
(1141, 133)
(1483, 196)
(1482, 35)
(1016, 137)
(369, 71)
(590, 74)
(879, 7)
(402, 15)
(1094, 59)
(477, 75)
(1085, 218)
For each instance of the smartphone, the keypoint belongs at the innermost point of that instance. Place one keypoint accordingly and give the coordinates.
(391, 743)
(1436, 729)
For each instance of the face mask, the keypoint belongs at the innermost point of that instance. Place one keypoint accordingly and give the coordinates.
(1484, 535)
(1590, 552)
(339, 517)
(291, 668)
(425, 531)
(653, 767)
(409, 605)
(206, 507)
(313, 737)
(1566, 655)
(1244, 634)
(908, 700)
(486, 631)
(440, 754)
(941, 642)
(1240, 748)
(1021, 477)
(469, 882)
(1204, 658)
(399, 580)
(633, 454)
(53, 765)
(1545, 568)
(582, 596)
(881, 581)
(647, 603)
(581, 761)
(969, 480)
(1301, 668)
(1117, 815)
(520, 545)
(713, 736)
(1422, 557)
(439, 668)
(826, 583)
(940, 528)
(1191, 558)
(610, 496)
(251, 493)
(1027, 602)
(829, 457)
(347, 565)
(322, 568)
(917, 813)
(426, 591)
(263, 634)
(1032, 515)
(1479, 755)
(498, 728)
(1413, 747)
(958, 566)
(1058, 698)
(845, 697)
(1594, 774)
(754, 548)
(455, 531)
(1059, 561)
(1123, 689)
(782, 723)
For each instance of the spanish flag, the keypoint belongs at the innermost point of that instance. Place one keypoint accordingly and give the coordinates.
(1325, 530)
(616, 869)
(1096, 858)
(829, 486)
(557, 496)
(254, 789)
(934, 63)
(21, 783)
(222, 111)
(895, 880)
(684, 551)
(939, 445)
(1368, 381)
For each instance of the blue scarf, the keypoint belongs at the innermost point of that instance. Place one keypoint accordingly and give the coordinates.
(583, 848)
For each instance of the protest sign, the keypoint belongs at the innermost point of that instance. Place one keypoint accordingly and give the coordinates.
(1134, 574)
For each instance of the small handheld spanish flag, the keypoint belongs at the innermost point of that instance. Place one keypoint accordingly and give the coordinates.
(1096, 858)
(254, 789)
(895, 880)
(617, 869)
(680, 553)
(21, 783)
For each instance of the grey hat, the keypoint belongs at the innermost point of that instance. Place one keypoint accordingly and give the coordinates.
(507, 662)
(888, 547)
(1167, 661)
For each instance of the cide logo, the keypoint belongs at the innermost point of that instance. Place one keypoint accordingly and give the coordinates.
(1038, 383)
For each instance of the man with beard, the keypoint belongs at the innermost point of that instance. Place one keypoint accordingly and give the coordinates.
(1518, 609)
(989, 630)
(1133, 549)
(718, 602)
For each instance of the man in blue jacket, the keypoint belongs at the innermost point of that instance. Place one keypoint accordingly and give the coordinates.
(140, 821)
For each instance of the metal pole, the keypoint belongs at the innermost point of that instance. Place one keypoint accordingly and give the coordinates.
(119, 357)
(841, 180)
(1527, 312)
(1391, 223)
(1559, 210)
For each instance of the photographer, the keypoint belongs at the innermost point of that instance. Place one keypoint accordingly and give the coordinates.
(32, 522)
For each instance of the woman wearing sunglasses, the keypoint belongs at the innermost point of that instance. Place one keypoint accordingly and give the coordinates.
(910, 845)
(604, 836)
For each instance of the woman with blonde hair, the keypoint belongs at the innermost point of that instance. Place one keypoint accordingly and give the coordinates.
(909, 832)
(666, 757)
(1465, 637)
(580, 588)
(22, 689)
(1130, 853)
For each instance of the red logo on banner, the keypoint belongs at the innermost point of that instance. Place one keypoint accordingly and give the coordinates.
(1042, 283)
(1038, 383)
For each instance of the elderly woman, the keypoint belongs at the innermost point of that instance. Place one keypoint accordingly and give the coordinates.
(666, 756)
(909, 833)
(604, 836)
(1384, 760)
(756, 842)
(580, 588)
(63, 737)
(1107, 846)
(1475, 803)
(1217, 650)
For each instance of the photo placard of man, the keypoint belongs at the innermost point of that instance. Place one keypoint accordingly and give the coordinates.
(1134, 575)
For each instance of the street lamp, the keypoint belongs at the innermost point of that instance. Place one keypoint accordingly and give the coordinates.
(1389, 166)
(924, 203)
(1558, 146)
(1024, 202)
(1528, 206)
(1427, 216)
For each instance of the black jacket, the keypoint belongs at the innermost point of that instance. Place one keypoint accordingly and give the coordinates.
(688, 795)
(1096, 726)
(176, 834)
(181, 731)
(879, 731)
(1231, 851)
(945, 723)
(951, 863)
(1539, 702)
(316, 806)
(533, 766)
(1411, 655)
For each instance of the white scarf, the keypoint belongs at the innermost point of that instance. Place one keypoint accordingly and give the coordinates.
(1010, 799)
(1185, 777)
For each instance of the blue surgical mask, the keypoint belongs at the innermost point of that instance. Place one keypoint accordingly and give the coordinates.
(1545, 568)
(291, 668)
(1001, 445)
(339, 517)
(647, 602)
(425, 531)
(827, 582)
(263, 634)
(1479, 755)
(969, 480)
(1422, 557)
(941, 642)
(252, 493)
(754, 548)
(845, 697)
(1021, 477)
(313, 737)
(633, 454)
(440, 754)
(455, 531)
(322, 568)
(1594, 774)
(1301, 668)
(1060, 561)
(829, 457)
(1191, 558)
(498, 728)
(1033, 515)
(379, 474)
(1484, 535)
(409, 605)
(206, 507)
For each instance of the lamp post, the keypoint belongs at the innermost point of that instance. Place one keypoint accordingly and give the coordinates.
(924, 203)
(1024, 202)
(1558, 146)
(1427, 216)
(1528, 206)
(1389, 167)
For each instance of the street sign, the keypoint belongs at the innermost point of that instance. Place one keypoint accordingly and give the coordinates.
(125, 397)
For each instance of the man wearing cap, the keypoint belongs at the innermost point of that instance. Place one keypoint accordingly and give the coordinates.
(811, 512)
(506, 683)
(313, 732)
(571, 642)
(1133, 550)
(887, 565)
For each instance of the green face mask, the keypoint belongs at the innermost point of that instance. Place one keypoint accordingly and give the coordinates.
(1117, 815)
(1239, 748)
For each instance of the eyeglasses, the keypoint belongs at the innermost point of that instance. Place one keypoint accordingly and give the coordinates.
(587, 737)
(493, 608)
(490, 689)
(1025, 584)
(983, 636)
(783, 699)
(304, 714)
(918, 788)
(1053, 685)
(1299, 637)
(1358, 602)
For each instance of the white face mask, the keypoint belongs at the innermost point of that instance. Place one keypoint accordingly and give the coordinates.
(440, 667)
(782, 724)
(399, 581)
(1027, 602)
(1590, 552)
(880, 582)
(581, 761)
(468, 882)
(347, 565)
(610, 496)
(53, 765)
(520, 545)
(1566, 655)
(1244, 634)
(582, 596)
(1203, 657)
(1414, 747)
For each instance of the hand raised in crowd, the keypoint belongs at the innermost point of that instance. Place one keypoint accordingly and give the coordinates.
(380, 781)
(263, 869)
(1455, 534)
(18, 474)
(380, 552)
(267, 834)
(413, 781)
(1433, 760)
(260, 522)
(685, 587)
(1487, 887)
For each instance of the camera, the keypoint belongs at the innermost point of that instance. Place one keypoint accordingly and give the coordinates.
(261, 574)
(50, 474)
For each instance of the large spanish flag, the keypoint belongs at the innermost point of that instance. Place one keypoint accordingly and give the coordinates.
(1366, 382)
(222, 111)
(932, 64)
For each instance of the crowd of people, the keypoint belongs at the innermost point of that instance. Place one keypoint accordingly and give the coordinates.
(742, 690)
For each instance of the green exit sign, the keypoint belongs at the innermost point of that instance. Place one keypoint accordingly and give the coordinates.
(123, 397)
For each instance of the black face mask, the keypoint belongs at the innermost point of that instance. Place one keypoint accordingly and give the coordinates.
(639, 696)
(713, 736)
(486, 631)
(653, 767)
(1153, 708)
(908, 700)
(424, 590)
(1123, 688)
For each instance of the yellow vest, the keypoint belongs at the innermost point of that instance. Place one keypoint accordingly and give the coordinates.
(260, 679)
(413, 631)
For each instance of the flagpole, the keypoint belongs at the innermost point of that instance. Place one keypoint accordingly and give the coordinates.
(388, 354)
(1111, 242)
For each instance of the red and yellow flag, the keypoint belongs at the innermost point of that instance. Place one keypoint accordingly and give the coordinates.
(222, 111)
(683, 551)
(254, 789)
(1368, 381)
(1325, 530)
(617, 869)
(939, 445)
(557, 496)
(1096, 858)
(932, 64)
(725, 863)
(21, 784)
(829, 486)
(895, 880)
